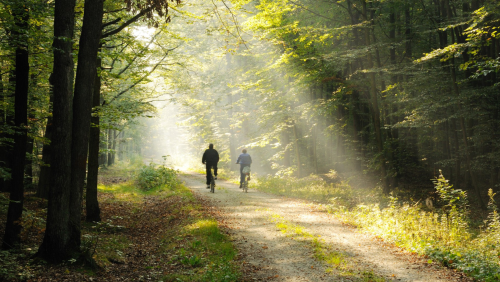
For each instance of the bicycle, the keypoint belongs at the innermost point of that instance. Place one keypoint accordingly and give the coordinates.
(244, 185)
(212, 184)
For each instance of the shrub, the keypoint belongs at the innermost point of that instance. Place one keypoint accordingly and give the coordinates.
(151, 176)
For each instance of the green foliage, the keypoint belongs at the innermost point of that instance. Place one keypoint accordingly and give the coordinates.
(453, 199)
(11, 270)
(152, 176)
(204, 249)
(341, 195)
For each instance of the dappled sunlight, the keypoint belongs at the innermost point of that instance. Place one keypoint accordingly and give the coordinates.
(340, 117)
(263, 222)
(122, 191)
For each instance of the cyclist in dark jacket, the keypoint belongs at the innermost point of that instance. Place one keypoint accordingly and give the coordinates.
(244, 160)
(210, 159)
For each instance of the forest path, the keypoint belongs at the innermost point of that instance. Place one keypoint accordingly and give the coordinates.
(269, 254)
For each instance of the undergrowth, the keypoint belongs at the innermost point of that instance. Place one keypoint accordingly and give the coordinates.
(161, 233)
(153, 176)
(192, 249)
(444, 234)
(205, 252)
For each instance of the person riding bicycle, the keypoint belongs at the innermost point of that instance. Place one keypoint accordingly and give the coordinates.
(244, 160)
(210, 159)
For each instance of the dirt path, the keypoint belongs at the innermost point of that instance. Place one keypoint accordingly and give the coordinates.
(269, 254)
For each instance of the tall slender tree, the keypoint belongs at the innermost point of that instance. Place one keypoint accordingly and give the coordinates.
(56, 242)
(20, 12)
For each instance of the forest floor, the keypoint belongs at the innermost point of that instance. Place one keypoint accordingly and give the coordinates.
(166, 234)
(284, 239)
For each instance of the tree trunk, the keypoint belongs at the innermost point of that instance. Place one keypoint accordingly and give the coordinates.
(286, 147)
(113, 152)
(14, 214)
(121, 146)
(297, 150)
(55, 245)
(82, 108)
(92, 204)
(28, 181)
(6, 147)
(375, 108)
(110, 146)
(103, 156)
(29, 163)
(456, 90)
(3, 147)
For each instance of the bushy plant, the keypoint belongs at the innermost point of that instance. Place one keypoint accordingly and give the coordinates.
(453, 199)
(152, 176)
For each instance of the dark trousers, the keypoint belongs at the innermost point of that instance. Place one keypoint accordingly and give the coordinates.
(242, 175)
(209, 172)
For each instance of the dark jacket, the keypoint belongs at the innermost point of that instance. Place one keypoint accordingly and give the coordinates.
(211, 156)
(244, 159)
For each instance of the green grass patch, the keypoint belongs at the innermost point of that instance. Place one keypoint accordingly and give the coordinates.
(129, 192)
(202, 251)
(338, 262)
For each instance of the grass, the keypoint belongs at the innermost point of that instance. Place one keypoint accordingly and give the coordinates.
(205, 252)
(340, 264)
(445, 234)
(314, 188)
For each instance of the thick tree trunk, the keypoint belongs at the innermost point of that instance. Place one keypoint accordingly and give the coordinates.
(82, 108)
(92, 204)
(55, 245)
(13, 225)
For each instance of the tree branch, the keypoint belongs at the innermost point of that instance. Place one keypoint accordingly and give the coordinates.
(142, 78)
(142, 52)
(111, 23)
(127, 23)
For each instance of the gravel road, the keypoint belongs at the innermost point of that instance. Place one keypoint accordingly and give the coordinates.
(268, 254)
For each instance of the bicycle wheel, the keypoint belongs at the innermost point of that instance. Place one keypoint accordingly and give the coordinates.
(245, 186)
(212, 185)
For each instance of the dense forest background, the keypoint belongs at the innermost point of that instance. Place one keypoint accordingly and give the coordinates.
(396, 90)
(391, 91)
